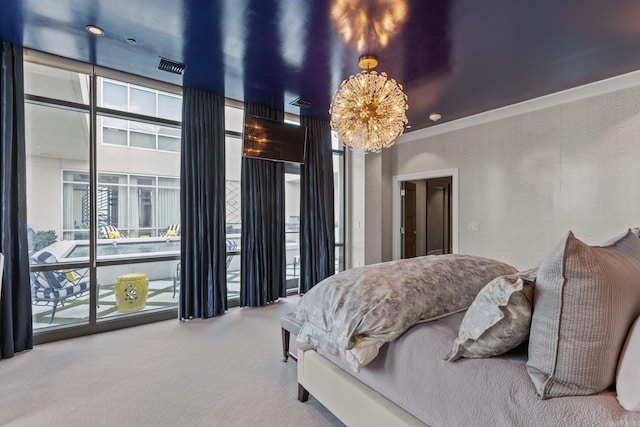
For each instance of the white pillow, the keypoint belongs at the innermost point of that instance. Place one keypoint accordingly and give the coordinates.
(628, 375)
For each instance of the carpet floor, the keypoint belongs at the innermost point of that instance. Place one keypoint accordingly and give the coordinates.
(225, 371)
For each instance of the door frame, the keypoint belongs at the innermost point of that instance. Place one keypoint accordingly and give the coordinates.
(397, 205)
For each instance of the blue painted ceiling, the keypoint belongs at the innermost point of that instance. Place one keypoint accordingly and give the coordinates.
(456, 57)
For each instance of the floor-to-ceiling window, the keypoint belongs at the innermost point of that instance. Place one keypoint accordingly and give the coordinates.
(103, 196)
(234, 121)
(339, 199)
(57, 116)
(103, 191)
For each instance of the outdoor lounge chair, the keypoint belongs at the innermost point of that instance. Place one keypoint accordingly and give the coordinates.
(108, 232)
(173, 230)
(54, 287)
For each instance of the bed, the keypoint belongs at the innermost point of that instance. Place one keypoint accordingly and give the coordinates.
(413, 380)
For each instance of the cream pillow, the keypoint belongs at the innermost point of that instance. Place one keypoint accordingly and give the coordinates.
(628, 375)
(497, 321)
(585, 300)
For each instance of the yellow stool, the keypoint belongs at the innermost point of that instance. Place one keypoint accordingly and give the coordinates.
(131, 292)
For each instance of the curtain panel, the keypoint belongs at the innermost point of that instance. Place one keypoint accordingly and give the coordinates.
(16, 328)
(263, 261)
(317, 224)
(203, 284)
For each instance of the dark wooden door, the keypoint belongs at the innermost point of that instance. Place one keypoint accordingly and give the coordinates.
(409, 220)
(438, 216)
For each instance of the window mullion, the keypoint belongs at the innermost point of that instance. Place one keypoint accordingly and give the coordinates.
(93, 188)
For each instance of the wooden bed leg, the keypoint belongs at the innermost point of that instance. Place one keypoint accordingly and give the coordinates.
(285, 345)
(303, 395)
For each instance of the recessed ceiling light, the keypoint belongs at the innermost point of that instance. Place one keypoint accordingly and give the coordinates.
(96, 31)
(435, 117)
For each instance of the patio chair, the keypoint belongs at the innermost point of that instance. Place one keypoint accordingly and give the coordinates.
(173, 230)
(54, 287)
(231, 246)
(108, 232)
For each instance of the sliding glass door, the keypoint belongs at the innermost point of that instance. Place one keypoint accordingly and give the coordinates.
(103, 202)
(58, 188)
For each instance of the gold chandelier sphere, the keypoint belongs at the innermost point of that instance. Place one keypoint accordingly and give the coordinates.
(368, 111)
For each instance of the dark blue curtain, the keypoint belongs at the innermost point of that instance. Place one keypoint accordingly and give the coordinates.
(203, 284)
(16, 330)
(317, 232)
(263, 263)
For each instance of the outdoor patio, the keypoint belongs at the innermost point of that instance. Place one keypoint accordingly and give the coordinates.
(159, 297)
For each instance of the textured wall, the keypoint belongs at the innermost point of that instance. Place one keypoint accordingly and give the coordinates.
(528, 179)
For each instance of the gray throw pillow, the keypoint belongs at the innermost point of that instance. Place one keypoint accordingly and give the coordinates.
(585, 299)
(498, 320)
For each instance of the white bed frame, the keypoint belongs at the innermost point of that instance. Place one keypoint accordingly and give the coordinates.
(353, 402)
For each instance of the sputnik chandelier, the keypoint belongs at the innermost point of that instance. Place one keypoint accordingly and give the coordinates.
(368, 109)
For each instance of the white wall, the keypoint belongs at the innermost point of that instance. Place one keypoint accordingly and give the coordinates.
(355, 210)
(528, 179)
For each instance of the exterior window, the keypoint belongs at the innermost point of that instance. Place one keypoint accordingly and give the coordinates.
(339, 199)
(138, 100)
(132, 195)
(126, 202)
(117, 167)
(57, 138)
(233, 163)
(292, 224)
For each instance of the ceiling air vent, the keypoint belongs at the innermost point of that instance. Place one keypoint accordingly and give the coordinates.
(302, 103)
(171, 66)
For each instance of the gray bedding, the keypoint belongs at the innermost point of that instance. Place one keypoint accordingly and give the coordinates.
(356, 311)
(411, 372)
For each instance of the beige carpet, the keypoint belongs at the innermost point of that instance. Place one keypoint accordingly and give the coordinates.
(225, 371)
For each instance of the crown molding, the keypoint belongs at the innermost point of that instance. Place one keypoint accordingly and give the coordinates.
(601, 87)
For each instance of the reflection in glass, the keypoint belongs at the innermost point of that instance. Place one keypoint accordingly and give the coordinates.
(368, 24)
